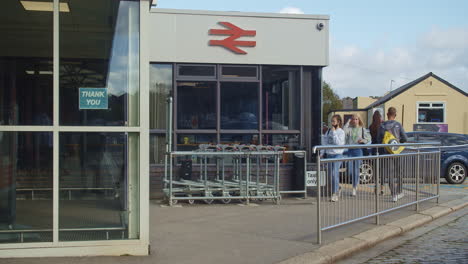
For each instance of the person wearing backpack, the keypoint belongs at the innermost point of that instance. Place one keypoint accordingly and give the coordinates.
(355, 134)
(393, 131)
(335, 136)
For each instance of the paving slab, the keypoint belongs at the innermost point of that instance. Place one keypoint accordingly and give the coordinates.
(437, 211)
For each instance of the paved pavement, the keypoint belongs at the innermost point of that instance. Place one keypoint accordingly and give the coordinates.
(264, 233)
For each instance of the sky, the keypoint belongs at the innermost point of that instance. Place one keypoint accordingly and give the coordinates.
(376, 45)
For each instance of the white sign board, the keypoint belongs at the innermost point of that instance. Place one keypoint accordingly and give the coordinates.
(311, 178)
(237, 38)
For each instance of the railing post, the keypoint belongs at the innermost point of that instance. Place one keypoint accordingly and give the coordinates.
(247, 180)
(278, 194)
(438, 176)
(170, 179)
(417, 181)
(305, 174)
(377, 186)
(319, 226)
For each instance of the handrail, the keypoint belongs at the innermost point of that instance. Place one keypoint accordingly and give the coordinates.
(320, 147)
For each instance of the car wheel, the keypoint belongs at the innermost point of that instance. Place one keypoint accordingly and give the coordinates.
(456, 173)
(366, 173)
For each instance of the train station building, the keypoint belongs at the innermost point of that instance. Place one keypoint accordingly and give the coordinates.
(83, 114)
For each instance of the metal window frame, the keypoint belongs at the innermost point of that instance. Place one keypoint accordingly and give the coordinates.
(108, 247)
(443, 107)
(260, 131)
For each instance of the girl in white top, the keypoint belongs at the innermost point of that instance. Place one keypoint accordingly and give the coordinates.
(335, 136)
(355, 134)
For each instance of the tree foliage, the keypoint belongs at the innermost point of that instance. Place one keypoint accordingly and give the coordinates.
(331, 101)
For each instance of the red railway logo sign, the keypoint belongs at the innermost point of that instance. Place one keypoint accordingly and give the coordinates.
(231, 43)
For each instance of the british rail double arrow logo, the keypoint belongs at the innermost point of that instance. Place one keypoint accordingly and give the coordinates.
(231, 43)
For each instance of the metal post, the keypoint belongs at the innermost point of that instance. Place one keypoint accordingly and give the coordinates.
(417, 181)
(319, 227)
(305, 175)
(170, 179)
(438, 176)
(278, 195)
(377, 187)
(247, 180)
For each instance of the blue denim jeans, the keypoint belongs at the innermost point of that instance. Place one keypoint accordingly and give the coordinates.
(354, 166)
(334, 171)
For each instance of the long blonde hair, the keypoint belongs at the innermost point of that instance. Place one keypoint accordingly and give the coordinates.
(360, 121)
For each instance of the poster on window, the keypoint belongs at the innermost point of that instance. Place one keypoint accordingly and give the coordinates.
(431, 127)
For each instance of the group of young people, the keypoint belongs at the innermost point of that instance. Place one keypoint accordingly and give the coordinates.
(354, 133)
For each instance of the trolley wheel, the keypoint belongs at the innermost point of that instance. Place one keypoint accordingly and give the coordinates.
(226, 201)
(191, 201)
(208, 201)
(174, 202)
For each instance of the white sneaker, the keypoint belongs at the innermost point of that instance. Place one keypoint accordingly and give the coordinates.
(354, 191)
(401, 195)
(395, 198)
(334, 198)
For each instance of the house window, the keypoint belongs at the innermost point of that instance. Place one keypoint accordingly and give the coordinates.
(431, 112)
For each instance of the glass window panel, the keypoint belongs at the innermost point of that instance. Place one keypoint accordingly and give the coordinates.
(239, 105)
(157, 148)
(425, 105)
(97, 172)
(431, 115)
(160, 89)
(26, 50)
(281, 98)
(196, 105)
(291, 142)
(197, 70)
(239, 139)
(187, 142)
(99, 48)
(239, 71)
(26, 186)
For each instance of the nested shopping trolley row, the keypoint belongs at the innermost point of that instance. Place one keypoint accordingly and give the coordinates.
(224, 172)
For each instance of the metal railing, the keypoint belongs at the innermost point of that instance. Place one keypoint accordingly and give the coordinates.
(391, 182)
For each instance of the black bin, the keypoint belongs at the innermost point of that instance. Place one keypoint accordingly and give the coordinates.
(186, 169)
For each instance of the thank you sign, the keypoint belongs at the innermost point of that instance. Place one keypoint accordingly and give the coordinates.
(93, 98)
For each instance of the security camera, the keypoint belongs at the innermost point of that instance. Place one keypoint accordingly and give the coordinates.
(320, 26)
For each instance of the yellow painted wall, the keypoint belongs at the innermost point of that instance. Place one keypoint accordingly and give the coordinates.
(363, 102)
(432, 90)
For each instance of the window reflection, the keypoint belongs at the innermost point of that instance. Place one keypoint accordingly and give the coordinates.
(196, 105)
(187, 142)
(160, 89)
(110, 60)
(26, 186)
(239, 105)
(281, 98)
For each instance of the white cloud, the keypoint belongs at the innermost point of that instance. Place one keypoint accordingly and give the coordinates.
(356, 71)
(291, 10)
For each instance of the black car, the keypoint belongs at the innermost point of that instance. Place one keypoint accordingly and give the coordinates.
(454, 153)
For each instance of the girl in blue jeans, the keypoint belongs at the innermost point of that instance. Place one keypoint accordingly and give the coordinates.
(335, 136)
(355, 134)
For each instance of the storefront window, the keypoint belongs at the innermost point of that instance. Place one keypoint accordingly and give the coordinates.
(196, 105)
(289, 141)
(157, 148)
(26, 90)
(239, 71)
(187, 142)
(26, 187)
(160, 90)
(247, 139)
(197, 71)
(281, 98)
(239, 105)
(431, 112)
(95, 179)
(99, 48)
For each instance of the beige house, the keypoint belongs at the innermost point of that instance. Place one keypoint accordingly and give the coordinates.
(428, 103)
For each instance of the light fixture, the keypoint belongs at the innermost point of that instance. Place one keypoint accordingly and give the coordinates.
(43, 6)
